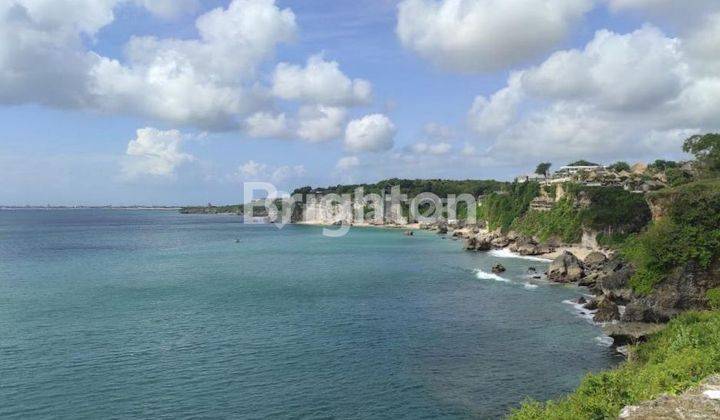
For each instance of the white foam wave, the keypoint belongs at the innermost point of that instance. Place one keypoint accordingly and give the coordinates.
(530, 286)
(580, 310)
(604, 340)
(506, 253)
(484, 275)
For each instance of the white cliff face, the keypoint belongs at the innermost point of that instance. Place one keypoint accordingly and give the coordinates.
(325, 212)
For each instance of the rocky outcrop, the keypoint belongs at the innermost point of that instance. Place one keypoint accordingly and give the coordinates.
(624, 333)
(682, 290)
(607, 311)
(595, 260)
(566, 268)
(700, 402)
(498, 268)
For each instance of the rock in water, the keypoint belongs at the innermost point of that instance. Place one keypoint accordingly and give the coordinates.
(606, 311)
(498, 268)
(566, 268)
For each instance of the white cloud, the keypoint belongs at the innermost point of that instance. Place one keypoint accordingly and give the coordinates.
(372, 133)
(623, 95)
(490, 116)
(203, 81)
(319, 82)
(252, 168)
(436, 149)
(483, 35)
(624, 72)
(198, 81)
(321, 123)
(437, 131)
(347, 163)
(169, 9)
(156, 153)
(285, 173)
(256, 171)
(267, 125)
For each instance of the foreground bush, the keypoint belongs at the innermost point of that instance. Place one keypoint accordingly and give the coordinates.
(677, 358)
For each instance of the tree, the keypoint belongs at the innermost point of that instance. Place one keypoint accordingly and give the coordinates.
(619, 166)
(583, 162)
(543, 168)
(706, 149)
(661, 165)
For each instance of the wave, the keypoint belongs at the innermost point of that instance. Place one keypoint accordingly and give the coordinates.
(580, 310)
(484, 275)
(530, 286)
(604, 340)
(506, 253)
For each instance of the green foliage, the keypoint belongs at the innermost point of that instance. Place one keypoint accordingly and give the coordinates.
(619, 166)
(612, 209)
(543, 168)
(413, 187)
(677, 358)
(562, 221)
(713, 297)
(583, 162)
(689, 234)
(677, 177)
(501, 209)
(706, 149)
(612, 240)
(661, 165)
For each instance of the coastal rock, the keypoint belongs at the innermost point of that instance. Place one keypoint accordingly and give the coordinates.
(566, 268)
(591, 305)
(630, 332)
(700, 402)
(442, 229)
(500, 242)
(595, 260)
(607, 311)
(498, 268)
(683, 289)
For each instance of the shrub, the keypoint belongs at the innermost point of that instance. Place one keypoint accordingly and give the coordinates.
(687, 351)
(563, 221)
(690, 233)
(713, 297)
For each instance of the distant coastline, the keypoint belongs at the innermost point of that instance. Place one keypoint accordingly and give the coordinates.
(134, 207)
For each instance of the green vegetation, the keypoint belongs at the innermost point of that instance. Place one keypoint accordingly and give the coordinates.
(675, 359)
(583, 162)
(662, 165)
(610, 210)
(562, 221)
(713, 297)
(413, 187)
(501, 209)
(706, 149)
(543, 168)
(619, 166)
(612, 240)
(689, 234)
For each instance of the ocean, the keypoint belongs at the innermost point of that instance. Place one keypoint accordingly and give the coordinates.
(147, 314)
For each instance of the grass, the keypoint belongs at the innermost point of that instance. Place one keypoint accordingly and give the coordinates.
(673, 360)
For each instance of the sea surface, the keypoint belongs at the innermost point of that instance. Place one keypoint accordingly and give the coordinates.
(153, 314)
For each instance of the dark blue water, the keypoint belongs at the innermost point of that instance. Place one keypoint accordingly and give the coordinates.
(126, 314)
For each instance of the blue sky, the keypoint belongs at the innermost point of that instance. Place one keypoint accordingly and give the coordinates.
(129, 101)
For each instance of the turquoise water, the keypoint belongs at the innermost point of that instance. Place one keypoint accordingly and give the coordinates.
(126, 314)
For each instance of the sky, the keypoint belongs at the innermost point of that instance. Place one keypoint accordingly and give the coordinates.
(178, 102)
